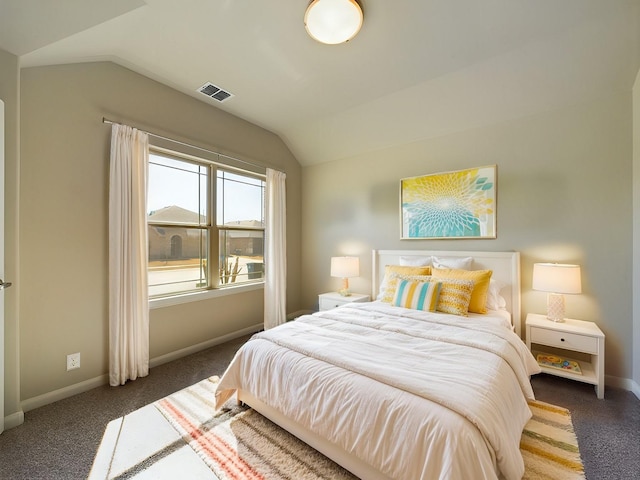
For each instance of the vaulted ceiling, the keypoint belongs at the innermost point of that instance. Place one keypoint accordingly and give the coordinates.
(417, 69)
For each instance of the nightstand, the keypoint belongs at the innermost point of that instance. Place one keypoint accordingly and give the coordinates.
(573, 336)
(327, 301)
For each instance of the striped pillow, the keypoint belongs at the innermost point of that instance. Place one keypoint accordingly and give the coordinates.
(417, 295)
(392, 273)
(480, 279)
(454, 296)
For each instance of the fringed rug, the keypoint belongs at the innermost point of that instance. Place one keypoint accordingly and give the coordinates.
(238, 443)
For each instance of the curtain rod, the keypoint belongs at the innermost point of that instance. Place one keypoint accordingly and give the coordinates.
(162, 137)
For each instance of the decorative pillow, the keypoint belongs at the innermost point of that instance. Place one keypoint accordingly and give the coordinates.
(480, 279)
(462, 263)
(417, 295)
(495, 301)
(416, 261)
(455, 296)
(389, 282)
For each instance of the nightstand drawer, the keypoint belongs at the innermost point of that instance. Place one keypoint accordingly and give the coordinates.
(328, 303)
(569, 341)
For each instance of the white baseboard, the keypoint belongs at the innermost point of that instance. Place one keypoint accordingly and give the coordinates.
(624, 383)
(62, 393)
(635, 388)
(154, 362)
(14, 420)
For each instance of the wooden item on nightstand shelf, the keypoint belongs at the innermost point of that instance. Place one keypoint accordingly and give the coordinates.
(327, 301)
(573, 336)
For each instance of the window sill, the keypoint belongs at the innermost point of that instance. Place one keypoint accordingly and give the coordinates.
(203, 295)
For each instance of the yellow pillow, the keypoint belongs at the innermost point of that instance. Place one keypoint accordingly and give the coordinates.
(480, 278)
(390, 282)
(455, 296)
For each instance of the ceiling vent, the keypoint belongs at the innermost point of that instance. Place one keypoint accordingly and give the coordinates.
(210, 90)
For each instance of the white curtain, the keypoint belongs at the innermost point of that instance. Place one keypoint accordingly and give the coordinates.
(275, 257)
(128, 293)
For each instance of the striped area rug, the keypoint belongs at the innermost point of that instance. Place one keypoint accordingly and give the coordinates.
(549, 445)
(238, 443)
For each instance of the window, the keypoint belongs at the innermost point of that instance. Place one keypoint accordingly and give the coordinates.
(196, 207)
(240, 219)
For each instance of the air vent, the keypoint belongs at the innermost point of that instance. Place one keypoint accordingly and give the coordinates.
(210, 90)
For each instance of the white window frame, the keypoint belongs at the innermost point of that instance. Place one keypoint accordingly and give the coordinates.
(214, 161)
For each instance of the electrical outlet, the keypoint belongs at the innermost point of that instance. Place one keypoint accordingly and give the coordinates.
(73, 361)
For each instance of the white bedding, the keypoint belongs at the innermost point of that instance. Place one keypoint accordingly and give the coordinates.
(497, 317)
(415, 394)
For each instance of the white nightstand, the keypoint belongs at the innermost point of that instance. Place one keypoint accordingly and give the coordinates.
(574, 336)
(327, 301)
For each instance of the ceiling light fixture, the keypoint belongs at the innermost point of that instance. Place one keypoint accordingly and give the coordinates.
(333, 21)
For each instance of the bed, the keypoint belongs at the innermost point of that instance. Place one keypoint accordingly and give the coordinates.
(390, 392)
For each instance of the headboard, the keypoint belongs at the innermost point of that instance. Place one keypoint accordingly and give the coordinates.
(505, 267)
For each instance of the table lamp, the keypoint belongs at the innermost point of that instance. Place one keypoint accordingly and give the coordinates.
(345, 268)
(556, 279)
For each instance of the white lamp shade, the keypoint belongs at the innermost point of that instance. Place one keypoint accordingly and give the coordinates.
(345, 267)
(557, 278)
(333, 21)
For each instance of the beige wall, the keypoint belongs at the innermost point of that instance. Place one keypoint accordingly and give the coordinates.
(64, 216)
(564, 194)
(9, 93)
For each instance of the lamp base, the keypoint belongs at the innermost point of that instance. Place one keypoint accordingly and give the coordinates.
(344, 291)
(555, 307)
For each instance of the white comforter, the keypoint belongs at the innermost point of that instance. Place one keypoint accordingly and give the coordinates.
(417, 395)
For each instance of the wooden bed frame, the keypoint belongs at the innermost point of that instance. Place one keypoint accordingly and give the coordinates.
(506, 269)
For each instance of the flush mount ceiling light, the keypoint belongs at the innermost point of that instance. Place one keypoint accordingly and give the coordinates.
(333, 21)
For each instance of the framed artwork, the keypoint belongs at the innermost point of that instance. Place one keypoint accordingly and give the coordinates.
(459, 204)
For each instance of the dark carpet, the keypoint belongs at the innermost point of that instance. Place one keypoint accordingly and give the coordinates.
(608, 430)
(59, 441)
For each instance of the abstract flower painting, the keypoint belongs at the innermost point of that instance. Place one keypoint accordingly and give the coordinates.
(460, 204)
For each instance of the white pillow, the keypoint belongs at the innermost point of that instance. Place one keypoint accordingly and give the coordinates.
(495, 301)
(412, 261)
(461, 263)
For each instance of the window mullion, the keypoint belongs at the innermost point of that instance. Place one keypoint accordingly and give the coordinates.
(214, 235)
